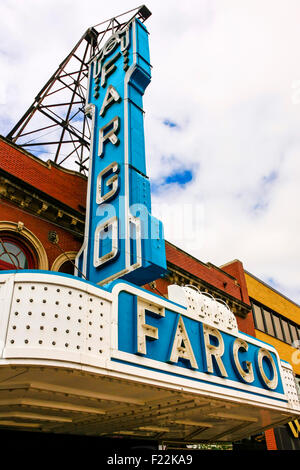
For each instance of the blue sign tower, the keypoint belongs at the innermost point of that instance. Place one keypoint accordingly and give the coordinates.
(122, 238)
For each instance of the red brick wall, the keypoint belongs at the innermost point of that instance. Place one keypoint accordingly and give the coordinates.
(236, 269)
(246, 325)
(206, 272)
(66, 187)
(161, 287)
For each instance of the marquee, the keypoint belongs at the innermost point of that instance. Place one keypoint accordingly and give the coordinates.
(94, 360)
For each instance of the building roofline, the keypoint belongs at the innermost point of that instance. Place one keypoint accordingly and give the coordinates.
(206, 265)
(272, 288)
(230, 262)
(47, 164)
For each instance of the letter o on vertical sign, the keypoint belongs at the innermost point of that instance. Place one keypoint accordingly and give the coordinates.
(264, 357)
(98, 243)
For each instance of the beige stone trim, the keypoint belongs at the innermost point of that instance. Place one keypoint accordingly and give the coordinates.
(61, 259)
(19, 228)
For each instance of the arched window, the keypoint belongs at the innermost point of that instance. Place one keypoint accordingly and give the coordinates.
(20, 248)
(67, 267)
(64, 263)
(15, 254)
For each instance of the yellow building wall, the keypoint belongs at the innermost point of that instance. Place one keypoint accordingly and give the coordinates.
(272, 299)
(285, 351)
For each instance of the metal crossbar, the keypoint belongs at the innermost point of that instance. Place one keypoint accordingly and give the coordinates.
(60, 103)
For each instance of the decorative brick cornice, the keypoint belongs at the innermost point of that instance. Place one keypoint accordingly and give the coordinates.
(43, 206)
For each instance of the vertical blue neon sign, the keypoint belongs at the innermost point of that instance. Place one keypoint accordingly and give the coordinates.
(122, 238)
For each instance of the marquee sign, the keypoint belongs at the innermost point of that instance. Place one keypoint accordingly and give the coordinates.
(182, 343)
(180, 366)
(122, 238)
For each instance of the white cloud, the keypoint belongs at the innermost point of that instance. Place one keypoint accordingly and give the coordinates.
(228, 74)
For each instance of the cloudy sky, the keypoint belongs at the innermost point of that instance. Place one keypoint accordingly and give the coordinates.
(222, 117)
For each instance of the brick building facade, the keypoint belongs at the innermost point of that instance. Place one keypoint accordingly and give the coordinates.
(40, 202)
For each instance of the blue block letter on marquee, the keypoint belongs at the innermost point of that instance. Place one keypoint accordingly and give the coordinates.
(122, 238)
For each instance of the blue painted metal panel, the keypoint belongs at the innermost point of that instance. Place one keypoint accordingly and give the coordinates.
(159, 350)
(131, 241)
(124, 314)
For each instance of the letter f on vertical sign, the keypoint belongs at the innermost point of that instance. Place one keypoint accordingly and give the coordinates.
(117, 243)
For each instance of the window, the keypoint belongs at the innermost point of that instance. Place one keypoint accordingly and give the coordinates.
(294, 335)
(278, 328)
(67, 267)
(275, 325)
(15, 254)
(269, 323)
(286, 331)
(259, 322)
(65, 262)
(30, 245)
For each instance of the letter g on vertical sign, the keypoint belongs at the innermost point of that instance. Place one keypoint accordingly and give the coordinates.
(120, 242)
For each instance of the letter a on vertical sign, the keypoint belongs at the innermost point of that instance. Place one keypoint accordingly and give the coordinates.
(122, 238)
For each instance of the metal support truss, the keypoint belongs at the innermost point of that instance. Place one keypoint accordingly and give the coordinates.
(55, 126)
